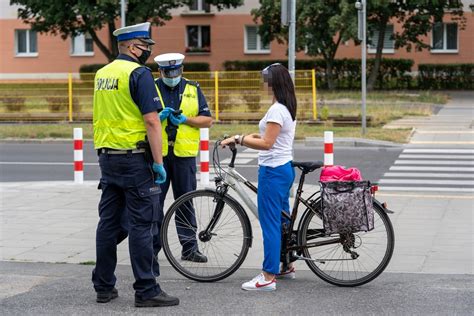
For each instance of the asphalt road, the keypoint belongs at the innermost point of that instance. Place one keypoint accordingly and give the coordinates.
(53, 161)
(65, 289)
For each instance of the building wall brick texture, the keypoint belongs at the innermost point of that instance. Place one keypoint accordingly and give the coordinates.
(227, 43)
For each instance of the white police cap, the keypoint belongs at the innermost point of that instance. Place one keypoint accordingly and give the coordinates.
(169, 60)
(140, 31)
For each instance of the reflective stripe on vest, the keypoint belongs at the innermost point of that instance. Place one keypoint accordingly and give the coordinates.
(118, 122)
(187, 137)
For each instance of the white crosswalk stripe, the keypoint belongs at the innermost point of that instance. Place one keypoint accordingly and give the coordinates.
(431, 170)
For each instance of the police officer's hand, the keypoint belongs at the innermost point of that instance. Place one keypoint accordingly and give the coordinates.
(165, 113)
(178, 119)
(160, 173)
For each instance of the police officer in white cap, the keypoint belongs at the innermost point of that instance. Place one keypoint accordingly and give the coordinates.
(125, 106)
(181, 141)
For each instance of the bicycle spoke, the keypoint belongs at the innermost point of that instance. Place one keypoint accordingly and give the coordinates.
(225, 245)
(335, 264)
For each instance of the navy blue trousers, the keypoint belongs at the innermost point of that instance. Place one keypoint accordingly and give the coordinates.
(129, 205)
(274, 186)
(181, 174)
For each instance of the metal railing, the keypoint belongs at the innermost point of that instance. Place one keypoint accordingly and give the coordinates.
(231, 95)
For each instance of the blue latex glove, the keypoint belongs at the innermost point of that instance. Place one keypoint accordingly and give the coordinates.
(178, 119)
(165, 113)
(160, 173)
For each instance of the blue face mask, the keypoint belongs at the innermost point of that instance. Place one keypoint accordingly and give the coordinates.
(172, 82)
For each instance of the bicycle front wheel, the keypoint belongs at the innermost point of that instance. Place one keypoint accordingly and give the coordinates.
(216, 226)
(349, 259)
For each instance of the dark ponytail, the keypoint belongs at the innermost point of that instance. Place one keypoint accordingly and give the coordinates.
(279, 80)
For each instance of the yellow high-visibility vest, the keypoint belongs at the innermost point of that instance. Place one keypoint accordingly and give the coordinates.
(187, 137)
(117, 120)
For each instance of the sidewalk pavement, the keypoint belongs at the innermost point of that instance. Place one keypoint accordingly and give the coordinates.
(56, 222)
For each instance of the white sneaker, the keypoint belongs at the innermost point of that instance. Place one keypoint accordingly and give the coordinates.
(288, 274)
(259, 284)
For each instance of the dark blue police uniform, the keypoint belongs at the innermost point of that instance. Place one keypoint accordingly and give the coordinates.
(181, 171)
(130, 204)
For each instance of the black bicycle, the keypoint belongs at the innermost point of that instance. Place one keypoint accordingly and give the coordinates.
(224, 234)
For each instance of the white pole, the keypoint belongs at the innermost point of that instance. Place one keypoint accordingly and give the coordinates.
(122, 13)
(364, 65)
(78, 156)
(204, 154)
(328, 148)
(292, 40)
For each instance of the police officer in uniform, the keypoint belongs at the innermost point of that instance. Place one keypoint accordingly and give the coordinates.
(125, 106)
(181, 141)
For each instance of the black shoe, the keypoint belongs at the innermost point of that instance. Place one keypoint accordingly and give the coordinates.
(195, 256)
(161, 299)
(104, 297)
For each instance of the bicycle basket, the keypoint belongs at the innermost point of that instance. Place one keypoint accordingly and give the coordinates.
(347, 206)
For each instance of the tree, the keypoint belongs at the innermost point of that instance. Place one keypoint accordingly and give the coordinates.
(74, 17)
(320, 27)
(416, 19)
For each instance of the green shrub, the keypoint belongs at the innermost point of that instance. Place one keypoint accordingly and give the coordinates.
(61, 104)
(14, 103)
(393, 74)
(324, 113)
(446, 76)
(87, 72)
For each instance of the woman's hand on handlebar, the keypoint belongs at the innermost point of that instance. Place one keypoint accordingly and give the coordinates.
(227, 142)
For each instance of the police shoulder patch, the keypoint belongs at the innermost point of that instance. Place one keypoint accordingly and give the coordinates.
(192, 82)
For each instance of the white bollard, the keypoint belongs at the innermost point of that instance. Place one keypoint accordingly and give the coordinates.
(328, 148)
(204, 155)
(78, 156)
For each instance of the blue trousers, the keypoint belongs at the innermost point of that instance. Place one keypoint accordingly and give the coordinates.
(129, 205)
(181, 174)
(274, 186)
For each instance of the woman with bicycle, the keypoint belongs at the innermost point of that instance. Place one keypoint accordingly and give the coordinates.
(275, 174)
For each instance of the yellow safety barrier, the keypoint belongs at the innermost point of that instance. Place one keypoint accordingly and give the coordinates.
(231, 95)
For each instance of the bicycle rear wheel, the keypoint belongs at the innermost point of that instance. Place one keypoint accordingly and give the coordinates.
(218, 226)
(356, 258)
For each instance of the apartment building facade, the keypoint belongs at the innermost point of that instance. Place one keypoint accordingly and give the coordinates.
(203, 34)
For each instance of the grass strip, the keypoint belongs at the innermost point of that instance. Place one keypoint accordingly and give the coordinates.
(65, 131)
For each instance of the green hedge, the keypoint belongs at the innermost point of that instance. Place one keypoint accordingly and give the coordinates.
(394, 73)
(87, 71)
(446, 76)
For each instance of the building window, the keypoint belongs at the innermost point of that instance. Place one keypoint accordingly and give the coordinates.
(444, 38)
(26, 43)
(198, 39)
(388, 41)
(82, 45)
(200, 5)
(253, 42)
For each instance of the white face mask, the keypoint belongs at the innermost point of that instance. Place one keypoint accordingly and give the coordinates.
(172, 82)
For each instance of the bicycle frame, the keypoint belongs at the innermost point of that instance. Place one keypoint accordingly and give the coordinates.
(234, 180)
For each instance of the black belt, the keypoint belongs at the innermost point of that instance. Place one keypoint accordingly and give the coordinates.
(111, 151)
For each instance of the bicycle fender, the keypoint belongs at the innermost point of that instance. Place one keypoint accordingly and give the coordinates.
(383, 206)
(245, 216)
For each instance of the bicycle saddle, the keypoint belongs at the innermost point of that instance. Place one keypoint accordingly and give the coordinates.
(308, 166)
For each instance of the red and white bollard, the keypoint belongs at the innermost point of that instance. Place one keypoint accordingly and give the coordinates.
(328, 148)
(204, 155)
(78, 156)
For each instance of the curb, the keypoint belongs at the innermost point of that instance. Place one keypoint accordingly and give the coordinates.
(351, 142)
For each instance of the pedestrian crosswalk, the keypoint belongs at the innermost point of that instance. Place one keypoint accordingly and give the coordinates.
(431, 170)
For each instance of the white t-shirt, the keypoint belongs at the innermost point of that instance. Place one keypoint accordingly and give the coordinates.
(282, 150)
